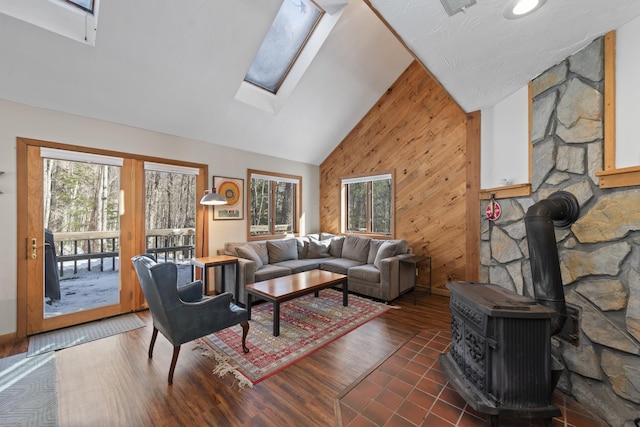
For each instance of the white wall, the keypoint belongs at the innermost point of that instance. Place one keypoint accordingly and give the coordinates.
(505, 141)
(504, 149)
(627, 94)
(18, 120)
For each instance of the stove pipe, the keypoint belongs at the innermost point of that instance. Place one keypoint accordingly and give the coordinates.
(560, 209)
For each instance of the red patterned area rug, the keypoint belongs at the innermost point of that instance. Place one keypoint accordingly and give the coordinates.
(306, 325)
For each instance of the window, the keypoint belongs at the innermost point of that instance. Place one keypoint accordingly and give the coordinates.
(86, 5)
(75, 19)
(274, 203)
(279, 65)
(170, 209)
(367, 203)
(288, 34)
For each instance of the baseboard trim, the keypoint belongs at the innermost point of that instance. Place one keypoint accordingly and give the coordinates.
(7, 338)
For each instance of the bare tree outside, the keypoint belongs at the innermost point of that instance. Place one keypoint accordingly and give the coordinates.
(80, 196)
(272, 205)
(259, 208)
(369, 206)
(82, 217)
(170, 201)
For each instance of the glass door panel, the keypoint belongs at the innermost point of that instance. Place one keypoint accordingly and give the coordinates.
(170, 207)
(81, 218)
(81, 236)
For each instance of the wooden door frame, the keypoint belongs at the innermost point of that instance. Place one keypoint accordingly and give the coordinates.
(132, 226)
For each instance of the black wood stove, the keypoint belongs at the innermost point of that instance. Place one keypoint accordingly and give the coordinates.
(500, 355)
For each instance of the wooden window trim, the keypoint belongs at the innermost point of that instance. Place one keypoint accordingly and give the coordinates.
(509, 191)
(343, 207)
(611, 177)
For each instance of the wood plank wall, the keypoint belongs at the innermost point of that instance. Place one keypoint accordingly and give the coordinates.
(419, 131)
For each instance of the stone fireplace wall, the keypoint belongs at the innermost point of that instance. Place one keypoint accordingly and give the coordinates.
(599, 254)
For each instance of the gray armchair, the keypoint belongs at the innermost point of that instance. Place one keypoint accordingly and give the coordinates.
(183, 313)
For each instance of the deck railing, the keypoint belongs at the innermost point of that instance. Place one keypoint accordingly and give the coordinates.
(176, 244)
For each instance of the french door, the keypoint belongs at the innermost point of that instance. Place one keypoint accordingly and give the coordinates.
(94, 262)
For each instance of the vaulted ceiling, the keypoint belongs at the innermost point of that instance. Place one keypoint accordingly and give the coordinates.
(175, 66)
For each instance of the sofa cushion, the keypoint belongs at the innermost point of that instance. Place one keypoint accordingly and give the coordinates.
(247, 252)
(365, 272)
(325, 236)
(318, 249)
(374, 245)
(335, 247)
(339, 265)
(261, 249)
(271, 272)
(386, 250)
(356, 248)
(300, 265)
(282, 250)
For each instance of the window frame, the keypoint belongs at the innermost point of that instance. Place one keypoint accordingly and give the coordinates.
(297, 203)
(344, 205)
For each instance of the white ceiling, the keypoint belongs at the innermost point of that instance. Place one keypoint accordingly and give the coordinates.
(174, 66)
(480, 57)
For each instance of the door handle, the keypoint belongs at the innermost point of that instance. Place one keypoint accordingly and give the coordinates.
(34, 248)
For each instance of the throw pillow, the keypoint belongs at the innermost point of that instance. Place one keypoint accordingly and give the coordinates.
(318, 249)
(374, 245)
(303, 247)
(261, 249)
(387, 249)
(356, 248)
(335, 247)
(282, 250)
(247, 252)
(325, 236)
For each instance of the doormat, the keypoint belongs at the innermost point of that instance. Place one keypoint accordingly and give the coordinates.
(28, 390)
(306, 325)
(80, 334)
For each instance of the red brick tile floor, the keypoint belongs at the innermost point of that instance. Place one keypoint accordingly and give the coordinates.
(410, 389)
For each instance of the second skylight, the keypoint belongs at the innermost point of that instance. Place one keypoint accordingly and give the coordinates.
(287, 36)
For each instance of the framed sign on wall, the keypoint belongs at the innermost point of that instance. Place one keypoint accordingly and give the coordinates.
(231, 189)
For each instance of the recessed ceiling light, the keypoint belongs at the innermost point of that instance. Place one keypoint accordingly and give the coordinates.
(519, 8)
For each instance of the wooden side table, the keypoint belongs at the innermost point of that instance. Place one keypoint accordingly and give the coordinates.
(414, 260)
(217, 261)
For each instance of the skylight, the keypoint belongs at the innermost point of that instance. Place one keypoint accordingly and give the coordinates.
(75, 19)
(322, 16)
(83, 4)
(290, 30)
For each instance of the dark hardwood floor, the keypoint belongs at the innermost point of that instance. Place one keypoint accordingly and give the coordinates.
(112, 382)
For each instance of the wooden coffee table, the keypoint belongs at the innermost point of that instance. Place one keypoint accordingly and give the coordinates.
(289, 287)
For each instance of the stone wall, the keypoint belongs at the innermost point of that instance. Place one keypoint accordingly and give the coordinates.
(599, 254)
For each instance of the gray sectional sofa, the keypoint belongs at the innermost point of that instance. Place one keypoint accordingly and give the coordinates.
(372, 265)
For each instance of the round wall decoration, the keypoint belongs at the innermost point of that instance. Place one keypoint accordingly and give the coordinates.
(493, 210)
(230, 191)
